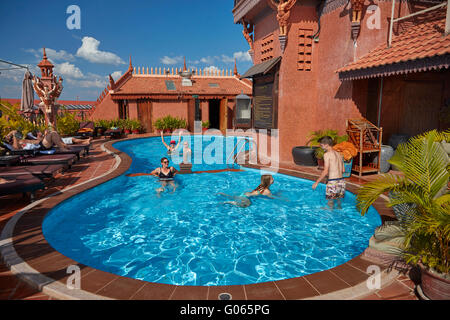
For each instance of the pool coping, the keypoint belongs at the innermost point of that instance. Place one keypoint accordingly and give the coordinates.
(30, 257)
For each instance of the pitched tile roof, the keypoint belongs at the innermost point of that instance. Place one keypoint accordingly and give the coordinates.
(420, 47)
(149, 85)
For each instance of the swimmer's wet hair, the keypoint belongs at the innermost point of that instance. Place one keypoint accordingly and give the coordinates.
(164, 158)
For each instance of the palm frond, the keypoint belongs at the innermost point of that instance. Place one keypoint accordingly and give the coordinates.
(370, 191)
(423, 161)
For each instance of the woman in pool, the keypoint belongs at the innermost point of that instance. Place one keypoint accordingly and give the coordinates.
(173, 145)
(243, 201)
(263, 188)
(166, 175)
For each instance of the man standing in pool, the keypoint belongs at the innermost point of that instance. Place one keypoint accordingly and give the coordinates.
(333, 168)
(166, 175)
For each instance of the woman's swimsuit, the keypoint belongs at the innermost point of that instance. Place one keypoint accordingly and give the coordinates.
(165, 177)
(260, 189)
(43, 147)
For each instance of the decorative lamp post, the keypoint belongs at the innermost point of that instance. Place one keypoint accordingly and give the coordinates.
(48, 89)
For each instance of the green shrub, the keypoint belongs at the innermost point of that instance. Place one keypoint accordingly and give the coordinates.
(11, 119)
(170, 123)
(135, 124)
(67, 124)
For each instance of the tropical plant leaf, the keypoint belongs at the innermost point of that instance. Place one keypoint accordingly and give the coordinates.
(370, 191)
(423, 161)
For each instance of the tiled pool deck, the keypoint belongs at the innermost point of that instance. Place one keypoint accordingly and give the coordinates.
(32, 253)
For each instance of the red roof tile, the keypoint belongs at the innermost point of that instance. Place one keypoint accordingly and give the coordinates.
(421, 41)
(147, 85)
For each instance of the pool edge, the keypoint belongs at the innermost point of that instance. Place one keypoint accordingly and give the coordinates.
(346, 281)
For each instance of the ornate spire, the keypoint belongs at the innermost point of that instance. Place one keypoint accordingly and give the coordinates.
(184, 65)
(46, 67)
(130, 67)
(235, 68)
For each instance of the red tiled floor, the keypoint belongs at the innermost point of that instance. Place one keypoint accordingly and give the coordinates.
(96, 163)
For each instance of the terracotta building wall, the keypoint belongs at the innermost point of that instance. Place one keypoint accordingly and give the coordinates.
(341, 100)
(175, 108)
(317, 99)
(107, 109)
(297, 104)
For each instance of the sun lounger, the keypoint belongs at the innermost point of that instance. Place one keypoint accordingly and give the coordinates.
(86, 129)
(114, 133)
(43, 171)
(64, 159)
(76, 150)
(9, 160)
(21, 184)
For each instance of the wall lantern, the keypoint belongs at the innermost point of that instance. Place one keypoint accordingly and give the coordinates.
(243, 115)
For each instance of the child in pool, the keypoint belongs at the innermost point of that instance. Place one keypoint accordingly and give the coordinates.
(243, 201)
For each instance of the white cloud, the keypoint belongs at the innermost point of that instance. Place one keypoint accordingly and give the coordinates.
(170, 61)
(89, 51)
(87, 83)
(242, 56)
(116, 75)
(68, 70)
(211, 69)
(208, 60)
(52, 55)
(239, 56)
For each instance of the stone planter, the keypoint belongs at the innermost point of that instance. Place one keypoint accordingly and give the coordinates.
(434, 286)
(397, 139)
(304, 156)
(386, 153)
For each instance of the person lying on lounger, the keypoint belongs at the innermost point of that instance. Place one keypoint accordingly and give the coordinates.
(44, 141)
(166, 175)
(3, 180)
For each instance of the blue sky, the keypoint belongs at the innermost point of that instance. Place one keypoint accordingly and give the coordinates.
(155, 34)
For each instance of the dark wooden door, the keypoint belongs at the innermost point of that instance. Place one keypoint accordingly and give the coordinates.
(145, 114)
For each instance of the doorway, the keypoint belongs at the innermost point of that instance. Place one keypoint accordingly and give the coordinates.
(214, 113)
(145, 114)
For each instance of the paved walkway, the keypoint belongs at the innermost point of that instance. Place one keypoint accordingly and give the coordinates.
(99, 162)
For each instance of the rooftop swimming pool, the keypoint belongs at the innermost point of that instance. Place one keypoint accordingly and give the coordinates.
(192, 237)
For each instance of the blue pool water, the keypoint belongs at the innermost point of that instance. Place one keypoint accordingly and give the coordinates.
(191, 237)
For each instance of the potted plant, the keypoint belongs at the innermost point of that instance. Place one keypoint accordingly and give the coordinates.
(182, 124)
(159, 125)
(135, 126)
(126, 125)
(205, 125)
(420, 198)
(314, 138)
(169, 124)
